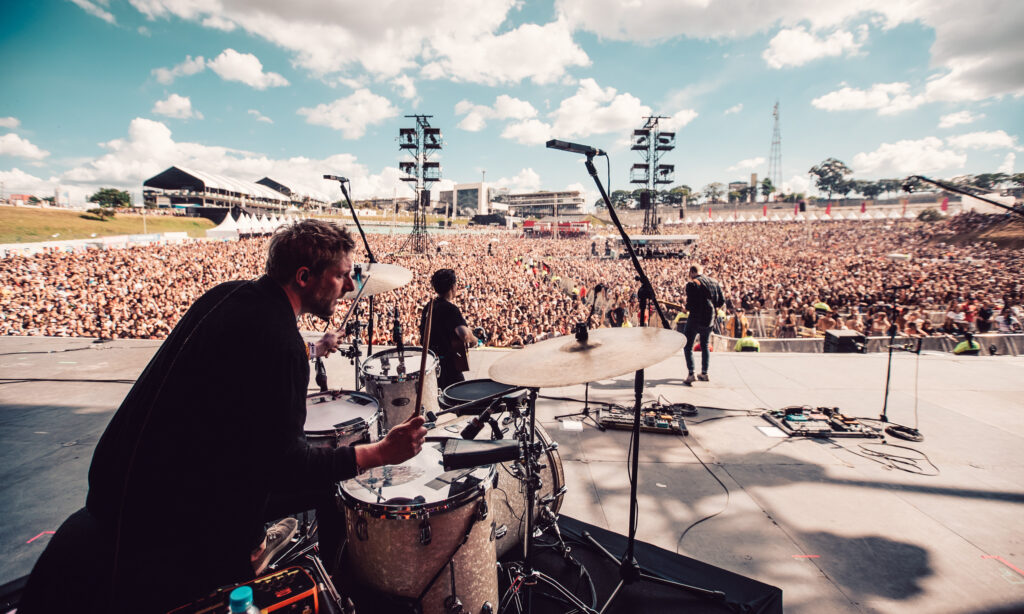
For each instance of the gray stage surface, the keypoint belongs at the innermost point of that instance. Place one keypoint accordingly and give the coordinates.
(837, 531)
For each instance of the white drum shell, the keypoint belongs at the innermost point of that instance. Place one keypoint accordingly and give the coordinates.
(340, 418)
(397, 392)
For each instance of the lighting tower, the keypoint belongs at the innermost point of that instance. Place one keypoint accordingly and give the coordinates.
(652, 142)
(420, 143)
(775, 159)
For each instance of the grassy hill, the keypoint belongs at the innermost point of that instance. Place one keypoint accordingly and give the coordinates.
(28, 225)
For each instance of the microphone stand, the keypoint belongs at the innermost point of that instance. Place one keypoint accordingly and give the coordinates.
(901, 432)
(372, 261)
(630, 570)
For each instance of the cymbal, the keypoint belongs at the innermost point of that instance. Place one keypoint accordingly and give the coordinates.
(381, 278)
(608, 352)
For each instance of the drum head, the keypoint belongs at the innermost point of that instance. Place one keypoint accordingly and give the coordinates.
(338, 410)
(471, 390)
(418, 486)
(374, 365)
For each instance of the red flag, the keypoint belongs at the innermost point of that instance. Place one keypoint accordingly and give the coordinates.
(863, 206)
(709, 212)
(796, 208)
(945, 204)
(904, 201)
(764, 210)
(828, 208)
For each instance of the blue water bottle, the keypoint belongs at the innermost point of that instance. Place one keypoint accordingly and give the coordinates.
(241, 601)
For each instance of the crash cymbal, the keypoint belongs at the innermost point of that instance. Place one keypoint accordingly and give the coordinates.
(379, 278)
(608, 352)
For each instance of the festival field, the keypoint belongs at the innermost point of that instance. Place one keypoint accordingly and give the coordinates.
(25, 225)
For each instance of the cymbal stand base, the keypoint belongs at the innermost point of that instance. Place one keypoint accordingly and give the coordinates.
(584, 414)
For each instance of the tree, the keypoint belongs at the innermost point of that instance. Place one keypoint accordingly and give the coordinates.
(767, 187)
(845, 187)
(1018, 178)
(990, 181)
(870, 189)
(111, 197)
(679, 195)
(735, 196)
(890, 186)
(713, 191)
(830, 175)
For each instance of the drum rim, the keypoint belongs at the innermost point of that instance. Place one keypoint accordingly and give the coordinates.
(512, 395)
(419, 510)
(409, 375)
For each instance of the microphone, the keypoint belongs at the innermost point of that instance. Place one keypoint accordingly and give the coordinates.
(473, 428)
(337, 178)
(574, 147)
(396, 332)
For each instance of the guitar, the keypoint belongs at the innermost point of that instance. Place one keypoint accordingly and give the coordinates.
(460, 350)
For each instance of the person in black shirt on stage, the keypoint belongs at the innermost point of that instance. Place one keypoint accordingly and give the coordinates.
(449, 333)
(703, 298)
(208, 446)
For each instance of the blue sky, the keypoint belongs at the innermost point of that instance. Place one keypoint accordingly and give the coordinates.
(105, 93)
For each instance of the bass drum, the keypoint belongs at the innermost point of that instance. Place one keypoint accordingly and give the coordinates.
(510, 493)
(417, 533)
(395, 385)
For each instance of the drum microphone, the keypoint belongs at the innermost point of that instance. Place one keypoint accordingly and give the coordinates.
(473, 428)
(396, 332)
(574, 147)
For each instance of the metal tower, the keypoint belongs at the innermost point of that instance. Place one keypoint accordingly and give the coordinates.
(775, 159)
(651, 142)
(420, 143)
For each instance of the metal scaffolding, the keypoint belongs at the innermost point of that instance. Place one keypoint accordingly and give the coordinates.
(420, 143)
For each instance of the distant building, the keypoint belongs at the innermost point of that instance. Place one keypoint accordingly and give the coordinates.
(538, 204)
(183, 187)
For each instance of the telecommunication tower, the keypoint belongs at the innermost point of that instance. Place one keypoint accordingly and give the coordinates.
(775, 159)
(652, 142)
(420, 143)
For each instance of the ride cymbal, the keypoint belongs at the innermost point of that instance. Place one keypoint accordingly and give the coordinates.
(607, 353)
(381, 278)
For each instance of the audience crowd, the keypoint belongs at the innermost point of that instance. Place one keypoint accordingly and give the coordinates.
(793, 279)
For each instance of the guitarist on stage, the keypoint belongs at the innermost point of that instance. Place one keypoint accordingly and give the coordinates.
(449, 333)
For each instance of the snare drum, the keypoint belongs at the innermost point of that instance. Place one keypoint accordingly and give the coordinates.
(395, 387)
(405, 525)
(340, 418)
(510, 493)
(461, 393)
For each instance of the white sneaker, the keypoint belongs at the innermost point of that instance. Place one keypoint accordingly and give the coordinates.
(278, 536)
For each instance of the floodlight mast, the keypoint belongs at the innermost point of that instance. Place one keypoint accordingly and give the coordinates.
(651, 141)
(420, 142)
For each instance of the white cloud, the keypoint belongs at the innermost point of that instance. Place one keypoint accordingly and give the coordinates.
(529, 132)
(9, 122)
(150, 148)
(405, 86)
(260, 117)
(17, 181)
(178, 107)
(13, 145)
(190, 66)
(95, 11)
(245, 68)
(996, 139)
(908, 157)
(593, 110)
(747, 164)
(977, 46)
(887, 98)
(797, 184)
(351, 115)
(797, 46)
(733, 109)
(505, 107)
(527, 180)
(144, 31)
(679, 119)
(960, 117)
(541, 53)
(1007, 165)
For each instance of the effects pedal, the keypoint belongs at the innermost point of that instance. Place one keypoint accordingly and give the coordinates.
(656, 419)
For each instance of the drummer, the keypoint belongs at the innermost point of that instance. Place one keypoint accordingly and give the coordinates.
(449, 333)
(208, 446)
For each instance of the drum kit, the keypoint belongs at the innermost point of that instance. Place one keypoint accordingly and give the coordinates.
(425, 538)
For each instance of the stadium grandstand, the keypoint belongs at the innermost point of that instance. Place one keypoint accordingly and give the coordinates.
(181, 187)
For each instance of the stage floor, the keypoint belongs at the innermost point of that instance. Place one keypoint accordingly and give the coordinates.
(821, 519)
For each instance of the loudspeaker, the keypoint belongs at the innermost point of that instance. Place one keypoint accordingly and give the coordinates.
(845, 342)
(645, 200)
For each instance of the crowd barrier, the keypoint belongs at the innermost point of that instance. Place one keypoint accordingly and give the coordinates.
(1003, 344)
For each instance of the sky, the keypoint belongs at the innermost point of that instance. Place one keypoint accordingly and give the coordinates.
(107, 93)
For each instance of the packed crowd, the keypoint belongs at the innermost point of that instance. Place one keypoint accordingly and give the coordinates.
(803, 277)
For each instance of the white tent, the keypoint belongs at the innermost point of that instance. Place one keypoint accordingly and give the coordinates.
(244, 225)
(776, 218)
(228, 229)
(895, 215)
(880, 215)
(909, 215)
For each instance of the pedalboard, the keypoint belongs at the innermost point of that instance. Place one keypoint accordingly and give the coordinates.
(667, 419)
(822, 422)
(289, 590)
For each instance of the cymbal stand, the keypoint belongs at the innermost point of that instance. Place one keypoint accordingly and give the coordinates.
(630, 570)
(581, 331)
(353, 352)
(524, 575)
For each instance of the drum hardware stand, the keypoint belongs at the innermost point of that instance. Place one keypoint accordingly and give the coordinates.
(525, 574)
(630, 570)
(581, 331)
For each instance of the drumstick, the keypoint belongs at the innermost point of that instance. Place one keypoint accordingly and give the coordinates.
(351, 308)
(423, 359)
